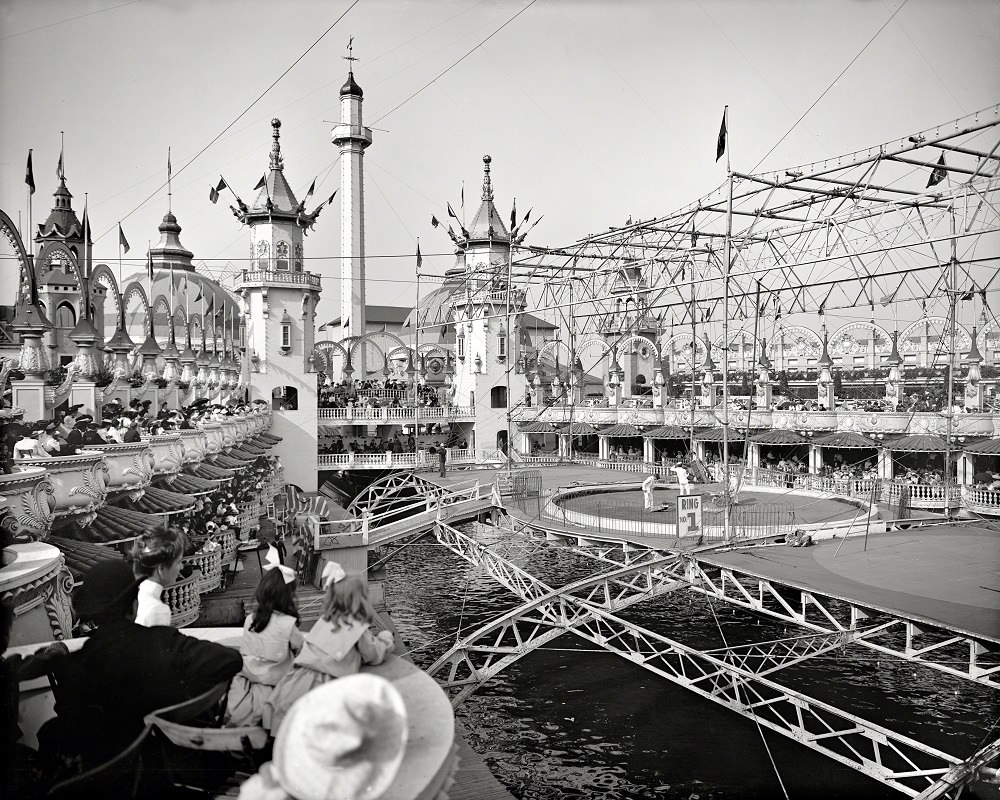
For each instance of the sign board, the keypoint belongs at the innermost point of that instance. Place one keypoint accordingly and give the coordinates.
(689, 515)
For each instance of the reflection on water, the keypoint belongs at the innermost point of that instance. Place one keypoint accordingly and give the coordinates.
(572, 721)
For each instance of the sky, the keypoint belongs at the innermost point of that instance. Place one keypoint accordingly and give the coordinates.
(592, 111)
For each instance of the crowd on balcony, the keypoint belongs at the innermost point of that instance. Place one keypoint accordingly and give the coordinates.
(374, 445)
(388, 393)
(987, 480)
(840, 469)
(925, 476)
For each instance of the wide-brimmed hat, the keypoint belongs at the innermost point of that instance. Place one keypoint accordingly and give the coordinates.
(105, 585)
(344, 740)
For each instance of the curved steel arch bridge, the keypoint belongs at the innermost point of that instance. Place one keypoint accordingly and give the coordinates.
(885, 225)
(735, 677)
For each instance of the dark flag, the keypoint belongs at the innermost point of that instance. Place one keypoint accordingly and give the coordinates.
(330, 198)
(213, 194)
(60, 170)
(29, 175)
(222, 184)
(513, 215)
(122, 241)
(434, 221)
(261, 182)
(420, 258)
(939, 174)
(312, 188)
(451, 212)
(149, 264)
(720, 146)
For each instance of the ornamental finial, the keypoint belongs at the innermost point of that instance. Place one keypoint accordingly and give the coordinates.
(487, 186)
(276, 160)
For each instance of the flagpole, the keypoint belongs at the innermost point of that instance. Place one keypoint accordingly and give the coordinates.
(119, 255)
(727, 253)
(31, 193)
(416, 352)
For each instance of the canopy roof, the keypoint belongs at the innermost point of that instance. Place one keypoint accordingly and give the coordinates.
(182, 483)
(715, 435)
(620, 430)
(81, 556)
(112, 524)
(778, 436)
(988, 447)
(210, 472)
(846, 439)
(158, 502)
(917, 443)
(578, 429)
(534, 427)
(666, 432)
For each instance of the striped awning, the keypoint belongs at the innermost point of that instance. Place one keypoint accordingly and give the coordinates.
(620, 430)
(183, 483)
(778, 436)
(534, 427)
(159, 502)
(987, 447)
(847, 440)
(578, 429)
(917, 443)
(112, 524)
(716, 435)
(666, 432)
(81, 556)
(224, 461)
(268, 437)
(243, 455)
(210, 472)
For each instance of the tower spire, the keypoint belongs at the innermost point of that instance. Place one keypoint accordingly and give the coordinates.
(276, 160)
(487, 185)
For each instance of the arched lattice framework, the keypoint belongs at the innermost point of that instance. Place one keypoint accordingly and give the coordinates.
(635, 344)
(741, 349)
(856, 340)
(53, 253)
(376, 346)
(678, 352)
(795, 347)
(326, 352)
(548, 352)
(27, 283)
(161, 318)
(928, 341)
(137, 311)
(594, 354)
(399, 487)
(103, 276)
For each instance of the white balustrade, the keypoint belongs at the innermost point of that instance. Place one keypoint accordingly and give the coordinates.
(982, 501)
(936, 497)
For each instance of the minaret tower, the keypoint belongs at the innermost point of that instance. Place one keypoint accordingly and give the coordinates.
(279, 306)
(352, 137)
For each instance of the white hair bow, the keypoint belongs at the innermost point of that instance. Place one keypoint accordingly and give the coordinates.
(332, 573)
(272, 561)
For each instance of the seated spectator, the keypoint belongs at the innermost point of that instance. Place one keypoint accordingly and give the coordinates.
(123, 672)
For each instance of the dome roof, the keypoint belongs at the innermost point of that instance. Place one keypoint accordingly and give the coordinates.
(351, 87)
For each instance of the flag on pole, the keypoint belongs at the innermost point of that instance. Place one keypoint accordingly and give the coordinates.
(60, 171)
(261, 182)
(213, 195)
(451, 212)
(29, 175)
(513, 214)
(434, 221)
(122, 241)
(939, 174)
(312, 188)
(222, 184)
(420, 258)
(330, 198)
(149, 264)
(720, 146)
(463, 195)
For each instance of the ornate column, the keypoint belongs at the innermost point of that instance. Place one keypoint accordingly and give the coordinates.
(709, 391)
(36, 583)
(973, 390)
(824, 383)
(894, 380)
(763, 395)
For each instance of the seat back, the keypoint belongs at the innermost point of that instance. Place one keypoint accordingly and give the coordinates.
(119, 776)
(244, 739)
(206, 704)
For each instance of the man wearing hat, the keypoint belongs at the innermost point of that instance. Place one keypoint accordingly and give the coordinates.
(47, 441)
(76, 436)
(124, 670)
(96, 434)
(69, 420)
(131, 431)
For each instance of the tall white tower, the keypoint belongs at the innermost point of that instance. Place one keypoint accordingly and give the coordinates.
(279, 304)
(352, 137)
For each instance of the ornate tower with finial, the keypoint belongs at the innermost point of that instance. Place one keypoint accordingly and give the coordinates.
(279, 306)
(353, 138)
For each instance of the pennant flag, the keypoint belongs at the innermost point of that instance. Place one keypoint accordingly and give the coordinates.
(122, 241)
(60, 171)
(451, 212)
(213, 195)
(939, 174)
(513, 215)
(720, 146)
(312, 188)
(434, 220)
(29, 175)
(463, 195)
(222, 184)
(528, 215)
(330, 198)
(261, 182)
(149, 263)
(420, 258)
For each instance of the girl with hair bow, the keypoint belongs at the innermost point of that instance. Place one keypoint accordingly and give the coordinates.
(338, 644)
(271, 639)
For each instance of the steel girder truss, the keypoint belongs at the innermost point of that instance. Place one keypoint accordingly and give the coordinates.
(975, 658)
(852, 231)
(734, 680)
(394, 487)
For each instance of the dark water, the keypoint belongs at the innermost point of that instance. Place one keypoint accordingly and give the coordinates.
(571, 721)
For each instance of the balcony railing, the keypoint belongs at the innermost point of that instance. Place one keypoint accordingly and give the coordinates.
(930, 497)
(386, 414)
(282, 278)
(982, 501)
(184, 600)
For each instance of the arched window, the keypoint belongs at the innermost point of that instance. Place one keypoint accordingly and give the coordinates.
(262, 253)
(281, 256)
(298, 258)
(498, 397)
(65, 316)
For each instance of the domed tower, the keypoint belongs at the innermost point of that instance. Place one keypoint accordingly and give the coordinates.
(279, 307)
(486, 319)
(353, 138)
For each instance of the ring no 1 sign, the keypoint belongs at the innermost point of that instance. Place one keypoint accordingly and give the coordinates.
(689, 515)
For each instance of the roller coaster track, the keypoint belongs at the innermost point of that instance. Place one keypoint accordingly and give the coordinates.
(733, 677)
